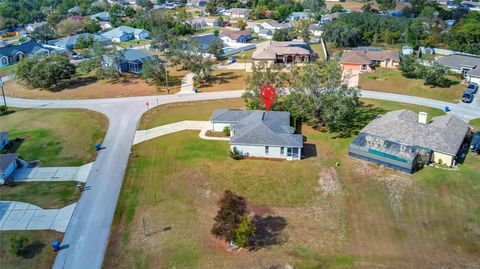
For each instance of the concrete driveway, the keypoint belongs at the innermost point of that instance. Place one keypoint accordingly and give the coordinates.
(24, 216)
(74, 173)
(143, 135)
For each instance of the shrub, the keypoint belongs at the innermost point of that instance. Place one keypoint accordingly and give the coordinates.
(17, 244)
(233, 209)
(235, 154)
(244, 233)
(226, 130)
(3, 110)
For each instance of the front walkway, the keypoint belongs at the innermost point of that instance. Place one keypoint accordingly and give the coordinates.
(24, 216)
(74, 173)
(187, 84)
(351, 78)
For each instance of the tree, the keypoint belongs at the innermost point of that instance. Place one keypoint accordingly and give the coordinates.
(368, 8)
(301, 30)
(42, 33)
(221, 21)
(434, 76)
(91, 26)
(336, 8)
(241, 24)
(410, 68)
(17, 244)
(233, 209)
(314, 6)
(103, 61)
(216, 32)
(84, 42)
(281, 35)
(154, 72)
(386, 5)
(245, 232)
(45, 73)
(68, 27)
(147, 4)
(216, 49)
(129, 12)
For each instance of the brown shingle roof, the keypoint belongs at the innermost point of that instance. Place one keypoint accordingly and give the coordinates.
(234, 34)
(364, 57)
(269, 49)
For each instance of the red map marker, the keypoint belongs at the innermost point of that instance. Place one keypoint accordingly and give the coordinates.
(268, 94)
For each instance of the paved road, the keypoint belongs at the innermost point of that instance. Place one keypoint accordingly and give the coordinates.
(86, 236)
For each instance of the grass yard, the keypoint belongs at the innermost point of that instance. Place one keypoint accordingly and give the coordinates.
(7, 70)
(56, 137)
(357, 5)
(42, 194)
(134, 43)
(243, 57)
(226, 80)
(318, 48)
(387, 80)
(38, 253)
(355, 215)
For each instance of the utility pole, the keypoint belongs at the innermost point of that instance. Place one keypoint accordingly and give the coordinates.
(3, 93)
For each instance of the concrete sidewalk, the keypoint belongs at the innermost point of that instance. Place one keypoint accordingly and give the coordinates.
(144, 135)
(24, 216)
(73, 173)
(207, 127)
(187, 84)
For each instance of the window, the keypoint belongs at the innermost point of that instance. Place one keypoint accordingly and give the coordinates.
(282, 150)
(266, 150)
(364, 67)
(4, 60)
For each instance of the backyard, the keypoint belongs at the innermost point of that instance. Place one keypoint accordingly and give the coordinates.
(388, 80)
(354, 215)
(63, 137)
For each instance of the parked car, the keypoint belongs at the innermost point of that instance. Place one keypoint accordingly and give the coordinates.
(231, 60)
(472, 87)
(467, 98)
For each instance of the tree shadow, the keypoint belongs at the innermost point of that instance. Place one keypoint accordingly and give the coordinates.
(365, 113)
(73, 84)
(309, 151)
(221, 78)
(268, 231)
(13, 145)
(32, 250)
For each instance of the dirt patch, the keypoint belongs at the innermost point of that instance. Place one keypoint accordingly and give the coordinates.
(396, 186)
(328, 182)
(211, 133)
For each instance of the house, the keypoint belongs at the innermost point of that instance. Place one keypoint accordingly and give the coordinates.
(74, 9)
(200, 22)
(132, 60)
(329, 17)
(101, 16)
(474, 75)
(462, 64)
(197, 3)
(32, 26)
(242, 36)
(8, 164)
(471, 5)
(205, 41)
(241, 13)
(365, 60)
(316, 30)
(407, 50)
(274, 25)
(125, 33)
(265, 33)
(405, 141)
(69, 42)
(295, 16)
(3, 139)
(286, 52)
(12, 54)
(259, 133)
(105, 25)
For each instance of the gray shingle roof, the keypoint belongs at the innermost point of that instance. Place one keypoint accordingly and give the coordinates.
(132, 55)
(6, 160)
(28, 48)
(122, 30)
(443, 134)
(258, 127)
(70, 41)
(458, 61)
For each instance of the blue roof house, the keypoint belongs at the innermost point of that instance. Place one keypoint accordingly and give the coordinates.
(125, 33)
(259, 133)
(295, 16)
(133, 60)
(12, 54)
(205, 41)
(101, 16)
(69, 42)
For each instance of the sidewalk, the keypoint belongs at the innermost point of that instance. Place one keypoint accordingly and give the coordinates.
(143, 135)
(187, 84)
(24, 216)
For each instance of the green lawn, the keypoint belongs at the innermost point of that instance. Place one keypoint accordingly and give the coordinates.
(243, 57)
(134, 43)
(42, 194)
(56, 137)
(387, 80)
(318, 48)
(7, 70)
(377, 216)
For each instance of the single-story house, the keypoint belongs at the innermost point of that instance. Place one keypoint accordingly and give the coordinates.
(69, 42)
(275, 25)
(133, 60)
(101, 16)
(205, 41)
(105, 25)
(316, 30)
(3, 139)
(241, 13)
(197, 3)
(8, 164)
(242, 36)
(407, 50)
(460, 63)
(405, 141)
(200, 22)
(471, 5)
(12, 54)
(295, 16)
(266, 33)
(285, 52)
(125, 33)
(259, 133)
(32, 26)
(329, 17)
(364, 60)
(75, 9)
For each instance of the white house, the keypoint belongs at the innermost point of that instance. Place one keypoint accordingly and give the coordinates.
(275, 25)
(125, 33)
(105, 25)
(200, 22)
(8, 164)
(259, 133)
(463, 64)
(316, 30)
(295, 16)
(266, 33)
(241, 13)
(231, 36)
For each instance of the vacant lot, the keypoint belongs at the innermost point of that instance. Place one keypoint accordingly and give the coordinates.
(42, 194)
(386, 80)
(38, 253)
(226, 80)
(354, 215)
(56, 137)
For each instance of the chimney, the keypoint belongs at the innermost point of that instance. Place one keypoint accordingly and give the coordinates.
(422, 117)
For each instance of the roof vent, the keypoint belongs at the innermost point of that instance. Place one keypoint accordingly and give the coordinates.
(422, 117)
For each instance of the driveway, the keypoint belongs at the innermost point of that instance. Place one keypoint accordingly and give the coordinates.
(74, 173)
(143, 135)
(351, 78)
(24, 216)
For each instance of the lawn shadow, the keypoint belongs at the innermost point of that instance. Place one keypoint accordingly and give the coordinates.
(365, 113)
(309, 151)
(221, 78)
(268, 231)
(32, 250)
(13, 145)
(73, 84)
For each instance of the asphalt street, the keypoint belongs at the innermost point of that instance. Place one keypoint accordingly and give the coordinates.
(86, 236)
